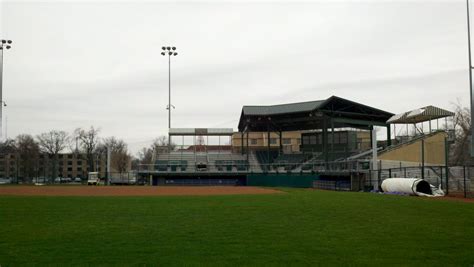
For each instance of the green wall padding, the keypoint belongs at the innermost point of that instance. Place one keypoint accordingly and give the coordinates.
(284, 180)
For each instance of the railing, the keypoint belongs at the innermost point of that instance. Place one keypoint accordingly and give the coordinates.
(241, 166)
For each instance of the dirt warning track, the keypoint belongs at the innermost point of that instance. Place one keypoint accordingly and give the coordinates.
(132, 190)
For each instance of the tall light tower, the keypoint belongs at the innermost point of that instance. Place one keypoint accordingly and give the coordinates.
(470, 77)
(4, 45)
(169, 51)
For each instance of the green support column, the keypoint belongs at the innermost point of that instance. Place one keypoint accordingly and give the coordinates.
(268, 144)
(371, 128)
(332, 140)
(446, 162)
(247, 150)
(389, 135)
(423, 159)
(281, 144)
(325, 140)
(242, 143)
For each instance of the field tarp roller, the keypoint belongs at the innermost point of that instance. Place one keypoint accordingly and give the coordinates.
(411, 186)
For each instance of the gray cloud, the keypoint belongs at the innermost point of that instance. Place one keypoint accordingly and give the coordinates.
(99, 63)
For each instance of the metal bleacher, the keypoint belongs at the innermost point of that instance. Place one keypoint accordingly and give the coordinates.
(200, 162)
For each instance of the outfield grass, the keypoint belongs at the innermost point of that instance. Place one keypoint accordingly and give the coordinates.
(302, 227)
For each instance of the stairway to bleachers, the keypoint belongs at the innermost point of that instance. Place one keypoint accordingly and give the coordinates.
(288, 162)
(254, 164)
(265, 158)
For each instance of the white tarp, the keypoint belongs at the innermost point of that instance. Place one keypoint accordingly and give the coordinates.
(411, 186)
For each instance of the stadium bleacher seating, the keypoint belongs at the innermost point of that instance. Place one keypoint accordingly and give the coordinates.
(161, 165)
(290, 161)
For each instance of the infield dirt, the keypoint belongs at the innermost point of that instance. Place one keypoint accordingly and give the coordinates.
(133, 190)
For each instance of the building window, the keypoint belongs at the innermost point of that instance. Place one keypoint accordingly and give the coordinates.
(69, 169)
(253, 141)
(69, 156)
(312, 140)
(286, 141)
(305, 140)
(273, 141)
(343, 138)
(69, 162)
(336, 138)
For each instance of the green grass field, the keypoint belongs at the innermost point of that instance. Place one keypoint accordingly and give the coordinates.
(301, 227)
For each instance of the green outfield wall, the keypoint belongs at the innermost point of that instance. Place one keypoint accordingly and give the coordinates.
(284, 180)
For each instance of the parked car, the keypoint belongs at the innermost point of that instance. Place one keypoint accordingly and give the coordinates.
(63, 180)
(5, 180)
(78, 180)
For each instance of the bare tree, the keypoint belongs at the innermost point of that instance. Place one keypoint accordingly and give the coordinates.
(462, 125)
(160, 145)
(27, 155)
(88, 140)
(52, 143)
(162, 141)
(120, 158)
(145, 155)
(8, 146)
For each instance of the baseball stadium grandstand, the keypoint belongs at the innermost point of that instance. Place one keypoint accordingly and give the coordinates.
(298, 144)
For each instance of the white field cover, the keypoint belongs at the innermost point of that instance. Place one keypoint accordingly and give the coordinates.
(408, 186)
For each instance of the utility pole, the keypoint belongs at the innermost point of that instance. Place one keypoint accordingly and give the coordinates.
(470, 75)
(4, 45)
(170, 51)
(108, 164)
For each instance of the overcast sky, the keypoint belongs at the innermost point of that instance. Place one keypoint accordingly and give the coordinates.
(98, 63)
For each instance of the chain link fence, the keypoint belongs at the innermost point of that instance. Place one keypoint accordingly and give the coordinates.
(453, 180)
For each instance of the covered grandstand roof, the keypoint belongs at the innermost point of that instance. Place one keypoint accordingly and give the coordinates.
(201, 131)
(427, 113)
(283, 108)
(309, 115)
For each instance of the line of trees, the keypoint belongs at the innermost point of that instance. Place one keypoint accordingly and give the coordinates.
(85, 143)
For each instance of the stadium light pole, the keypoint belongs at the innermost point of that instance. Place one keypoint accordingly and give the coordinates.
(470, 75)
(4, 45)
(4, 104)
(169, 51)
